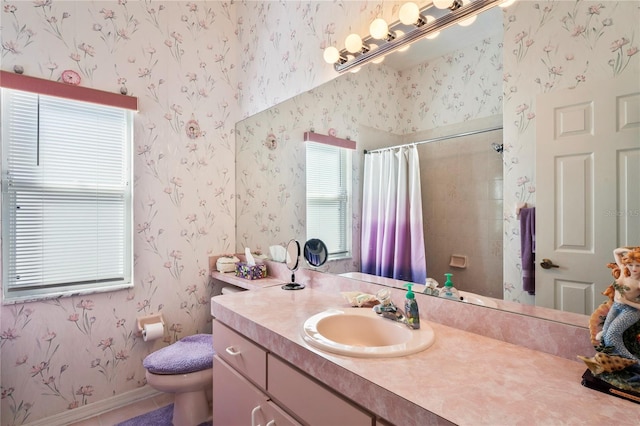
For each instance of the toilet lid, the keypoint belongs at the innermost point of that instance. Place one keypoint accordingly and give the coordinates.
(189, 354)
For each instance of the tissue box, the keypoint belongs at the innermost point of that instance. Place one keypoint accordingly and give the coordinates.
(251, 272)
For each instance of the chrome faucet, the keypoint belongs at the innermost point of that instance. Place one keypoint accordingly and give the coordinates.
(387, 309)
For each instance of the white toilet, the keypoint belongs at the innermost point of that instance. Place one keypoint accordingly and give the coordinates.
(185, 369)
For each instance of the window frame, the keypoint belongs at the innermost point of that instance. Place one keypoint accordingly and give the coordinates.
(82, 95)
(345, 198)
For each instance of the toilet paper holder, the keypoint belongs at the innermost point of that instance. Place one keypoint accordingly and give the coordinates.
(149, 319)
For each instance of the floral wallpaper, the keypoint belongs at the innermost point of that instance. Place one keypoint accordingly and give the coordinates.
(281, 44)
(197, 68)
(178, 58)
(549, 46)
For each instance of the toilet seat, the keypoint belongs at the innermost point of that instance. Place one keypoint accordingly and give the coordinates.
(184, 369)
(189, 354)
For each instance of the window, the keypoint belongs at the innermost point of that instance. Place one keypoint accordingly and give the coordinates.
(329, 197)
(66, 196)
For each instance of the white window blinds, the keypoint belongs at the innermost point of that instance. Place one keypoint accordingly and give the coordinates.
(328, 197)
(66, 196)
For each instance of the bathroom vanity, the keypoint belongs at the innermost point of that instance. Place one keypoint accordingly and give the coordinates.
(254, 384)
(463, 378)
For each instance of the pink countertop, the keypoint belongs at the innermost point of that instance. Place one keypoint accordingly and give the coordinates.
(464, 378)
(230, 278)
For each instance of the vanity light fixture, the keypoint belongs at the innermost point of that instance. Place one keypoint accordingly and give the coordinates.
(434, 34)
(409, 14)
(407, 46)
(413, 25)
(333, 56)
(353, 43)
(379, 30)
(447, 4)
(468, 21)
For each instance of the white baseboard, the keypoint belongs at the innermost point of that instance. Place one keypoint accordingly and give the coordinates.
(97, 408)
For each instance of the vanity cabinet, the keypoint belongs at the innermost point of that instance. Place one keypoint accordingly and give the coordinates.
(236, 401)
(254, 387)
(310, 401)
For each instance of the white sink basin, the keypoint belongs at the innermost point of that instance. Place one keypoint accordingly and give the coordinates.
(476, 299)
(360, 332)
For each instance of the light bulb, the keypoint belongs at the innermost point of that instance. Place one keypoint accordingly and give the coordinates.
(331, 55)
(379, 29)
(353, 43)
(442, 4)
(399, 34)
(378, 60)
(468, 21)
(355, 70)
(409, 13)
(507, 3)
(429, 20)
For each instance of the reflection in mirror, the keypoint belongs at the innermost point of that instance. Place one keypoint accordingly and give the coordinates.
(273, 210)
(293, 258)
(315, 252)
(392, 104)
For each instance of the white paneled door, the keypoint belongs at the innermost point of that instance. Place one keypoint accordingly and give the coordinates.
(588, 189)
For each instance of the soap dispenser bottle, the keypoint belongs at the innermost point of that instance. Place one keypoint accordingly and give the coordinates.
(449, 291)
(411, 308)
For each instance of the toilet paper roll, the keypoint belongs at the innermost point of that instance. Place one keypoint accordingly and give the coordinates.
(152, 331)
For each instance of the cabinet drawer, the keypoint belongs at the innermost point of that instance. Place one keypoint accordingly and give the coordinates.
(311, 402)
(242, 354)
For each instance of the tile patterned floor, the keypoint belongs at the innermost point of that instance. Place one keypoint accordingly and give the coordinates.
(121, 414)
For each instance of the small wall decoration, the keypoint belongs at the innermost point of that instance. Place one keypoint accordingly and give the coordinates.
(332, 132)
(70, 77)
(193, 129)
(271, 142)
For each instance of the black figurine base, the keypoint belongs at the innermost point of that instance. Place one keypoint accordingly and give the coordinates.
(293, 286)
(591, 381)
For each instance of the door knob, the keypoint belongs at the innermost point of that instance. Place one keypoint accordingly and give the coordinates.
(548, 264)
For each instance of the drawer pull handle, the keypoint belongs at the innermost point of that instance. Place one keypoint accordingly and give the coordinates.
(232, 351)
(253, 415)
(271, 423)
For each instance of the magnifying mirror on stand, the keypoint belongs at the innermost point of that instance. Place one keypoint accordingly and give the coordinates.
(293, 255)
(315, 252)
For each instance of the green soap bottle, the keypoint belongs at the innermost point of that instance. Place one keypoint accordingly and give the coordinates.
(411, 308)
(449, 291)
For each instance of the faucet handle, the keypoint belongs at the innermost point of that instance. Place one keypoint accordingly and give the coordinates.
(384, 296)
(386, 306)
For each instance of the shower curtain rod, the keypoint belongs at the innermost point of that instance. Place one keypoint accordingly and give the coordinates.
(440, 138)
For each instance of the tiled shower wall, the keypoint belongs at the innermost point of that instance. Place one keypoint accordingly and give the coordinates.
(461, 182)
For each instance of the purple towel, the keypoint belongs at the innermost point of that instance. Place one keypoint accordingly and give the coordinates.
(187, 355)
(528, 248)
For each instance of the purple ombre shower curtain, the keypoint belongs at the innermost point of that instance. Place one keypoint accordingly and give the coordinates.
(392, 234)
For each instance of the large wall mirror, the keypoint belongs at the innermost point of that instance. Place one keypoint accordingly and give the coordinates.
(449, 92)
